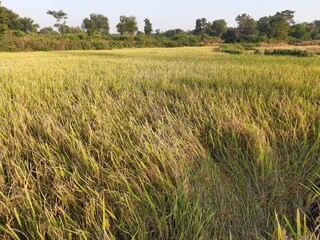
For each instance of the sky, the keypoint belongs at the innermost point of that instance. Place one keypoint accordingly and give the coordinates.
(164, 14)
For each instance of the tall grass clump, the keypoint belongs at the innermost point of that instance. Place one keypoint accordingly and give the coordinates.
(156, 144)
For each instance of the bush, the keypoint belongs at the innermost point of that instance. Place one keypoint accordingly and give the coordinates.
(250, 46)
(257, 52)
(170, 44)
(231, 49)
(293, 40)
(99, 45)
(263, 38)
(248, 39)
(116, 45)
(288, 52)
(186, 40)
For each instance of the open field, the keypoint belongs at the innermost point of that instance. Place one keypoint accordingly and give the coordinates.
(155, 143)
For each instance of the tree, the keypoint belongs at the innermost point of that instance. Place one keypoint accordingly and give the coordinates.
(27, 25)
(264, 27)
(312, 29)
(14, 22)
(279, 27)
(317, 24)
(246, 25)
(12, 19)
(75, 30)
(47, 30)
(127, 25)
(287, 15)
(97, 24)
(218, 27)
(147, 27)
(60, 17)
(230, 35)
(3, 19)
(201, 26)
(300, 31)
(316, 29)
(172, 32)
(158, 32)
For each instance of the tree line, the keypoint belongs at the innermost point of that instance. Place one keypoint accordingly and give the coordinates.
(94, 24)
(278, 27)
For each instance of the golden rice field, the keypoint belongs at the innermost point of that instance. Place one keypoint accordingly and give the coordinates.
(157, 144)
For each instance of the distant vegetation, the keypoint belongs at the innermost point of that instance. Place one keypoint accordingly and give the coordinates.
(23, 34)
(255, 48)
(288, 52)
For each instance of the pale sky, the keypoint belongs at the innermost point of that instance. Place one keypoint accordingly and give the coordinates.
(164, 14)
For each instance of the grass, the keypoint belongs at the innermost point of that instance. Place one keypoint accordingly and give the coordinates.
(156, 144)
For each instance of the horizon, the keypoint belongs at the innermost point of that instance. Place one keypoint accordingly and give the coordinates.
(164, 15)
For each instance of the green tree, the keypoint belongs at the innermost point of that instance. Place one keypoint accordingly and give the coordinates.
(96, 24)
(201, 26)
(287, 15)
(264, 26)
(61, 18)
(14, 22)
(12, 19)
(279, 27)
(127, 25)
(147, 27)
(230, 36)
(172, 32)
(157, 32)
(47, 30)
(74, 30)
(27, 25)
(280, 24)
(315, 29)
(300, 31)
(246, 25)
(218, 28)
(64, 29)
(317, 24)
(3, 19)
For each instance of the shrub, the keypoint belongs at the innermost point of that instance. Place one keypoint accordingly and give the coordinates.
(288, 52)
(257, 52)
(231, 48)
(99, 45)
(232, 51)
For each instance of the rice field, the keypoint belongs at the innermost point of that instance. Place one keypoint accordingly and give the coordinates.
(157, 144)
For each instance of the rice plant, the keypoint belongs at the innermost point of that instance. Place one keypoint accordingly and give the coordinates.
(155, 143)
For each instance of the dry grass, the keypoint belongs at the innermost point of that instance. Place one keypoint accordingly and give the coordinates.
(307, 47)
